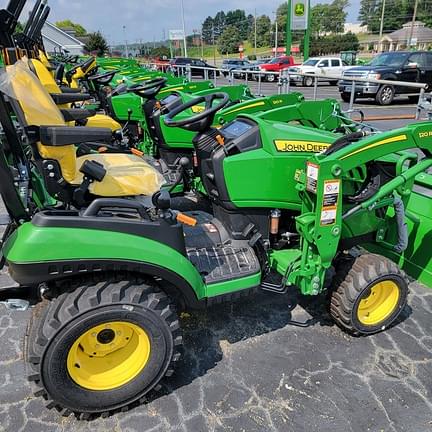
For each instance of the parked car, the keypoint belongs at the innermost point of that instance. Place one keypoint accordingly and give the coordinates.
(238, 65)
(178, 66)
(275, 65)
(161, 64)
(411, 66)
(320, 66)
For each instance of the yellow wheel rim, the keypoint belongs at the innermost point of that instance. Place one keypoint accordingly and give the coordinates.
(108, 355)
(379, 304)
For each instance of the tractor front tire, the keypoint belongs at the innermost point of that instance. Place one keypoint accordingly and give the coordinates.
(369, 293)
(102, 345)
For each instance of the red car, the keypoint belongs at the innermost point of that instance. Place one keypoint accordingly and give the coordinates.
(275, 65)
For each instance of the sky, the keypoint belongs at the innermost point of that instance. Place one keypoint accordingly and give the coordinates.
(148, 19)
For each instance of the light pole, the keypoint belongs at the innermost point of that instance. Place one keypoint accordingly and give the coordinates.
(276, 35)
(381, 27)
(255, 33)
(126, 42)
(184, 28)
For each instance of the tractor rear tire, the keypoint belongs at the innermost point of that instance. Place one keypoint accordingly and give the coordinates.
(369, 293)
(102, 345)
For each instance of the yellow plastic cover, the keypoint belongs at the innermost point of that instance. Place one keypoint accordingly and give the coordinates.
(103, 121)
(21, 84)
(45, 76)
(127, 175)
(39, 109)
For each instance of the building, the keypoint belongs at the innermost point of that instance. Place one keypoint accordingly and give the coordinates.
(399, 39)
(355, 28)
(55, 39)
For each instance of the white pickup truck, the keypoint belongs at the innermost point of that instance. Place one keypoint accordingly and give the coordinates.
(320, 66)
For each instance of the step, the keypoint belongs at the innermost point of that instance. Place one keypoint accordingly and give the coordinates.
(224, 263)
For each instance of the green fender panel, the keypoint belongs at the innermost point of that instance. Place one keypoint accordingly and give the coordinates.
(30, 244)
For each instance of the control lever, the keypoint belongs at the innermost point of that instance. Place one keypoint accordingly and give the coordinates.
(162, 201)
(184, 163)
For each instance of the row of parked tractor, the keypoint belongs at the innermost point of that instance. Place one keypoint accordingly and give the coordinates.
(134, 195)
(408, 66)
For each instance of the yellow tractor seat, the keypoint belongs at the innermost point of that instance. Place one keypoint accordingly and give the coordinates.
(125, 174)
(48, 81)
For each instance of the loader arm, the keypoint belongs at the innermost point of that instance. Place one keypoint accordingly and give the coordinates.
(333, 220)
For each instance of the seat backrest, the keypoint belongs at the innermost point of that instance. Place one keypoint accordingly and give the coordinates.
(38, 109)
(44, 75)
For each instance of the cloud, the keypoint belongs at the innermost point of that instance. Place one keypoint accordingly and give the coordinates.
(149, 19)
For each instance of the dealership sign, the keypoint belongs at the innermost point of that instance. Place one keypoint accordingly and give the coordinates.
(299, 14)
(176, 35)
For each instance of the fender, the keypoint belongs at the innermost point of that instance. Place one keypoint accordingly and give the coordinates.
(38, 254)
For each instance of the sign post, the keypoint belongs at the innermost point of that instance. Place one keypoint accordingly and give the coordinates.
(241, 51)
(288, 30)
(299, 19)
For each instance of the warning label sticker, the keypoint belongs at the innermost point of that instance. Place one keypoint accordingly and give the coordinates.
(312, 177)
(328, 216)
(331, 193)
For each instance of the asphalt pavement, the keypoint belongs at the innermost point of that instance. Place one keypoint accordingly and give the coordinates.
(247, 368)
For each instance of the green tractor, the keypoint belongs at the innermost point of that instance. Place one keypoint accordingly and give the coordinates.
(113, 277)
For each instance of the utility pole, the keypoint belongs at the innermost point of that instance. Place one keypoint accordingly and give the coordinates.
(381, 25)
(214, 46)
(126, 42)
(184, 29)
(255, 34)
(412, 23)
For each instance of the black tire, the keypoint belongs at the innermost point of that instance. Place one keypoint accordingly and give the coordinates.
(308, 81)
(356, 282)
(333, 83)
(346, 97)
(61, 324)
(269, 78)
(414, 99)
(385, 95)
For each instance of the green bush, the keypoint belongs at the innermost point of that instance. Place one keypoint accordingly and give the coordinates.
(332, 44)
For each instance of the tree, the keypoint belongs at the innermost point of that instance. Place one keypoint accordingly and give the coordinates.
(96, 43)
(263, 27)
(207, 30)
(397, 13)
(219, 23)
(238, 19)
(329, 18)
(332, 44)
(160, 52)
(65, 24)
(229, 40)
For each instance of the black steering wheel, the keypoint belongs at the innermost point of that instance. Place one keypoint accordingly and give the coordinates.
(201, 121)
(150, 88)
(103, 79)
(84, 66)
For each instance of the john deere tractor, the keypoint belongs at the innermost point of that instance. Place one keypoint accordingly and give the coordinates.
(113, 276)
